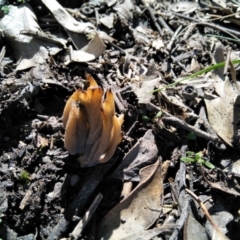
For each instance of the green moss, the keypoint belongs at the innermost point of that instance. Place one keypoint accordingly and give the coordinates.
(24, 177)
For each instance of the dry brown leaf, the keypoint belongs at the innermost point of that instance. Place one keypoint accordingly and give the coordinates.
(139, 210)
(89, 52)
(27, 50)
(142, 154)
(65, 19)
(193, 228)
(223, 112)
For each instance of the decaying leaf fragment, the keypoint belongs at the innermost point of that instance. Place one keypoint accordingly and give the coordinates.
(92, 128)
(140, 209)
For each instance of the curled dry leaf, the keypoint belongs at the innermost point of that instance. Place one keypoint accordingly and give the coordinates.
(92, 128)
(140, 209)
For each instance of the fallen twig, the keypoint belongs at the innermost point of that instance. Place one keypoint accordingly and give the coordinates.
(87, 217)
(165, 25)
(205, 211)
(227, 31)
(177, 122)
(174, 37)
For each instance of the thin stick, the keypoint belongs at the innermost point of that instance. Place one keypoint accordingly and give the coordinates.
(229, 32)
(153, 18)
(165, 25)
(205, 211)
(174, 37)
(86, 218)
(177, 122)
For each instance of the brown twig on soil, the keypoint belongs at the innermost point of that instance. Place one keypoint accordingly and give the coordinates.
(135, 124)
(86, 218)
(177, 122)
(189, 30)
(174, 37)
(179, 64)
(153, 18)
(206, 213)
(227, 31)
(165, 25)
(183, 56)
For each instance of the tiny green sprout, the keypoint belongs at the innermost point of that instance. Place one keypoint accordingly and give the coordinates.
(159, 114)
(5, 9)
(192, 157)
(24, 177)
(146, 118)
(191, 136)
(41, 147)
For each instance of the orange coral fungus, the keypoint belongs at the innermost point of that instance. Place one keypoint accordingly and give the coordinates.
(92, 128)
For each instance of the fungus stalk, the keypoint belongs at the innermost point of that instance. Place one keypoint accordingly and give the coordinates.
(92, 128)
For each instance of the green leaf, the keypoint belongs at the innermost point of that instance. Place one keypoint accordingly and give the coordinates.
(198, 155)
(5, 9)
(189, 153)
(208, 164)
(200, 161)
(146, 118)
(205, 70)
(191, 136)
(221, 37)
(159, 114)
(187, 159)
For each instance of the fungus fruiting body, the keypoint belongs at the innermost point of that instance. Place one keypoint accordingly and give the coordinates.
(92, 128)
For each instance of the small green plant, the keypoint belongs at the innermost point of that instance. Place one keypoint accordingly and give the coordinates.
(5, 9)
(148, 119)
(192, 157)
(24, 177)
(191, 136)
(205, 70)
(221, 37)
(159, 114)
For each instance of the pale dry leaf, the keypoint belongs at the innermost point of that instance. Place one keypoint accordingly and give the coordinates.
(149, 80)
(143, 153)
(183, 6)
(91, 51)
(193, 228)
(223, 112)
(27, 50)
(65, 19)
(139, 210)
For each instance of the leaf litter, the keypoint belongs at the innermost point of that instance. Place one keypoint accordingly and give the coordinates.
(172, 69)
